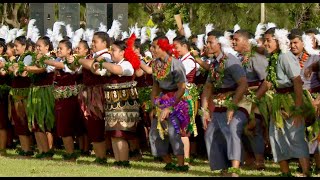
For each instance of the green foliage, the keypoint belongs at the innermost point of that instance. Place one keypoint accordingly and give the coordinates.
(137, 14)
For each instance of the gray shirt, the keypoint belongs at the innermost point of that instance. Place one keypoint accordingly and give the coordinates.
(313, 81)
(233, 71)
(256, 68)
(287, 68)
(176, 75)
(27, 60)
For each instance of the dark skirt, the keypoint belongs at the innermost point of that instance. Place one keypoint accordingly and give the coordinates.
(67, 113)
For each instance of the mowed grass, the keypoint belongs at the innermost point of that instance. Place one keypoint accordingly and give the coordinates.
(13, 166)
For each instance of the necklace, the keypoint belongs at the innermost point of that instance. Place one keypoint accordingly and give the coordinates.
(271, 69)
(216, 72)
(161, 70)
(303, 59)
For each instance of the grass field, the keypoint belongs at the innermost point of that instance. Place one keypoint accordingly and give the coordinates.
(13, 166)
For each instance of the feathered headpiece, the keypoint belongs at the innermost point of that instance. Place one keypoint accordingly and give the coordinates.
(209, 27)
(124, 35)
(166, 46)
(76, 38)
(253, 42)
(4, 33)
(134, 29)
(102, 28)
(236, 28)
(200, 42)
(144, 36)
(12, 35)
(54, 34)
(282, 36)
(259, 31)
(171, 34)
(88, 36)
(115, 29)
(307, 41)
(269, 26)
(317, 36)
(187, 30)
(69, 31)
(129, 53)
(153, 32)
(226, 45)
(32, 31)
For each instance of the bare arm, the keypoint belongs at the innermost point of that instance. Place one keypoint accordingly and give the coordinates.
(58, 65)
(155, 91)
(241, 90)
(203, 64)
(34, 69)
(263, 88)
(86, 63)
(113, 68)
(180, 92)
(146, 68)
(297, 85)
(139, 72)
(206, 95)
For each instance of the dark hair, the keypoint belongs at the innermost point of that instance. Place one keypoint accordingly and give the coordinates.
(145, 46)
(182, 40)
(215, 33)
(3, 44)
(10, 45)
(120, 44)
(104, 36)
(31, 44)
(271, 31)
(193, 36)
(47, 42)
(137, 44)
(160, 37)
(295, 33)
(67, 43)
(194, 47)
(23, 41)
(86, 45)
(312, 30)
(244, 33)
(66, 38)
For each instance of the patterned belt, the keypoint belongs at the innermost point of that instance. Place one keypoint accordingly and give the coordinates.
(124, 85)
(62, 92)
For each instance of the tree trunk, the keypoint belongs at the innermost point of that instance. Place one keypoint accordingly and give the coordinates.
(14, 20)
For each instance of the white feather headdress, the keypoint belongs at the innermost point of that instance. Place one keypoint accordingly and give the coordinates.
(171, 34)
(282, 36)
(32, 31)
(69, 31)
(124, 35)
(54, 34)
(253, 42)
(236, 28)
(153, 32)
(227, 34)
(317, 36)
(115, 29)
(88, 36)
(76, 38)
(270, 25)
(259, 31)
(209, 27)
(226, 46)
(102, 27)
(200, 42)
(307, 41)
(4, 33)
(187, 30)
(134, 29)
(12, 35)
(144, 36)
(20, 32)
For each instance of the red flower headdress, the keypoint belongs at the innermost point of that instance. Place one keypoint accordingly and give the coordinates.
(164, 45)
(129, 53)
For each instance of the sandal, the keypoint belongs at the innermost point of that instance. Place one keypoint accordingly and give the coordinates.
(71, 157)
(122, 163)
(170, 166)
(183, 168)
(100, 161)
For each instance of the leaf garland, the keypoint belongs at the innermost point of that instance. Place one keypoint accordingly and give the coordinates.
(161, 70)
(271, 69)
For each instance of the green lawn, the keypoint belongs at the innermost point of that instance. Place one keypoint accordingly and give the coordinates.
(13, 166)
